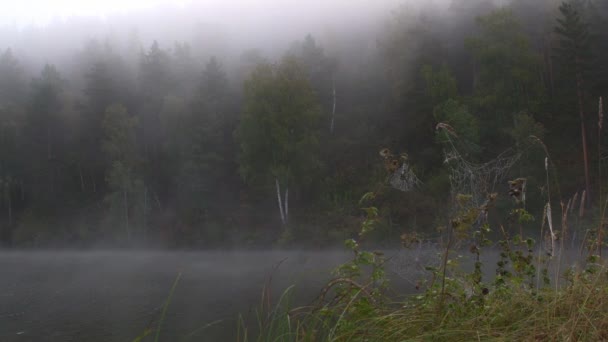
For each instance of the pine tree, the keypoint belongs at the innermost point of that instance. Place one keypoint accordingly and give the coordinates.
(574, 52)
(12, 85)
(206, 170)
(155, 83)
(507, 78)
(44, 133)
(11, 120)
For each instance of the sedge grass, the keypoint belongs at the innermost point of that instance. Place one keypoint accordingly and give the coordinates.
(577, 312)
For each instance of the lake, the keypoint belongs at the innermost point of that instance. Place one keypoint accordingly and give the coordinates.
(116, 295)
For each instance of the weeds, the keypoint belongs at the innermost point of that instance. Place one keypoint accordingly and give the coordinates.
(518, 303)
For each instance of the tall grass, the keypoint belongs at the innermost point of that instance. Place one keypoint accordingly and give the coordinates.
(149, 330)
(281, 322)
(166, 306)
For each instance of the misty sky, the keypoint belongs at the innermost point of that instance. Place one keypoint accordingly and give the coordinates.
(52, 31)
(40, 12)
(25, 12)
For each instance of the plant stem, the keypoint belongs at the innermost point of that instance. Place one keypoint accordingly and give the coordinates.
(167, 302)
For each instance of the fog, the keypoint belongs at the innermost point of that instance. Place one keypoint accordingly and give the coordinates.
(239, 142)
(116, 296)
(46, 32)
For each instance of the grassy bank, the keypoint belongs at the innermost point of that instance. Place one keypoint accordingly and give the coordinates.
(532, 294)
(511, 307)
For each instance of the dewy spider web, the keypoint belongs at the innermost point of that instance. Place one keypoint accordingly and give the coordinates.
(473, 179)
(401, 176)
(404, 178)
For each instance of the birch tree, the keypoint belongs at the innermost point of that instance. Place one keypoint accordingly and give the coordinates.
(279, 131)
(126, 190)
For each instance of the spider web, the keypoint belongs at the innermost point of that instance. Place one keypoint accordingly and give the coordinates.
(404, 179)
(477, 180)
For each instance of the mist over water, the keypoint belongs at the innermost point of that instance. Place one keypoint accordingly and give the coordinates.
(116, 295)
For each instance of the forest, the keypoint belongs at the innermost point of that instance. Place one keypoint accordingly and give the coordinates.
(126, 139)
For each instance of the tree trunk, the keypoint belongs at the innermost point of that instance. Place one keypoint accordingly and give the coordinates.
(48, 144)
(280, 201)
(81, 178)
(22, 190)
(550, 64)
(333, 112)
(581, 112)
(145, 207)
(474, 75)
(128, 230)
(10, 208)
(94, 183)
(9, 226)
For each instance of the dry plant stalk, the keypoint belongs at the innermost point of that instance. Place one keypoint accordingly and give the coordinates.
(563, 232)
(581, 209)
(600, 121)
(574, 199)
(550, 224)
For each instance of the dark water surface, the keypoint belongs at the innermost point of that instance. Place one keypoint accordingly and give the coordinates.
(114, 295)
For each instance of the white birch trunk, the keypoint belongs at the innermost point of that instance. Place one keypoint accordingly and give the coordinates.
(280, 201)
(286, 204)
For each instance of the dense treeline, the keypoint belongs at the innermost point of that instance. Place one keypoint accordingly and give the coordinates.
(151, 144)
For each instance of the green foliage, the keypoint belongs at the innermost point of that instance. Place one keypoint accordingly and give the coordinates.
(44, 131)
(574, 50)
(279, 130)
(441, 89)
(457, 305)
(496, 76)
(440, 85)
(12, 82)
(127, 197)
(507, 79)
(119, 143)
(506, 76)
(461, 120)
(155, 73)
(525, 126)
